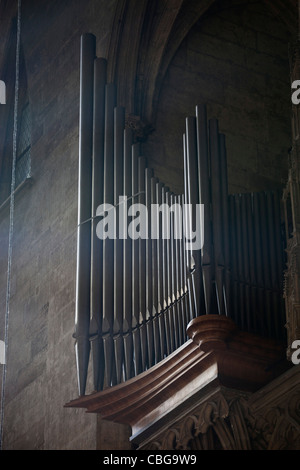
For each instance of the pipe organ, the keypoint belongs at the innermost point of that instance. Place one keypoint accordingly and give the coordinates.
(136, 295)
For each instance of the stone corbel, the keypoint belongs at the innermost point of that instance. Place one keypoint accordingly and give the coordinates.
(140, 129)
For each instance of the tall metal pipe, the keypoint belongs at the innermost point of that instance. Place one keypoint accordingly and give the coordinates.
(275, 254)
(135, 269)
(100, 67)
(251, 246)
(161, 323)
(178, 260)
(217, 212)
(207, 259)
(155, 307)
(266, 262)
(169, 292)
(149, 280)
(193, 200)
(259, 263)
(234, 312)
(174, 296)
(82, 313)
(164, 267)
(119, 124)
(108, 244)
(240, 262)
(173, 322)
(225, 214)
(127, 260)
(142, 266)
(182, 267)
(186, 223)
(280, 261)
(246, 260)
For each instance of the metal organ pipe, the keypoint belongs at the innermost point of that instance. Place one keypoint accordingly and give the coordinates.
(217, 214)
(108, 244)
(142, 267)
(149, 278)
(127, 262)
(100, 67)
(135, 271)
(82, 314)
(119, 124)
(135, 297)
(205, 199)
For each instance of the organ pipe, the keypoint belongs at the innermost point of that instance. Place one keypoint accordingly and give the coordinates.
(135, 296)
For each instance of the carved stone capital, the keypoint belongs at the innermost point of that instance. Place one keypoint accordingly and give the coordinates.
(141, 129)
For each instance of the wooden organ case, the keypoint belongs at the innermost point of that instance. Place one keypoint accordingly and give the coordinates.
(178, 338)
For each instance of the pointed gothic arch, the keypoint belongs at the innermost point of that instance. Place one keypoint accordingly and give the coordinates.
(145, 37)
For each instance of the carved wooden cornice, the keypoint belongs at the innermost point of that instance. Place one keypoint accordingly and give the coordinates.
(216, 367)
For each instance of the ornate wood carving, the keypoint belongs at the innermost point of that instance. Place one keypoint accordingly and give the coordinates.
(273, 414)
(218, 422)
(232, 420)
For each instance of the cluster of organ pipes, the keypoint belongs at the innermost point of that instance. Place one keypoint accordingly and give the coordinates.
(135, 297)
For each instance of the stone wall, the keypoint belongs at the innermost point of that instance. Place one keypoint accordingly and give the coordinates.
(41, 371)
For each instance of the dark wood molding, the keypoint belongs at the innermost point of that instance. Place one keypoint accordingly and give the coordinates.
(217, 355)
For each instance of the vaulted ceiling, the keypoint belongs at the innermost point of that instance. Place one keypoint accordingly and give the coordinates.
(145, 36)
